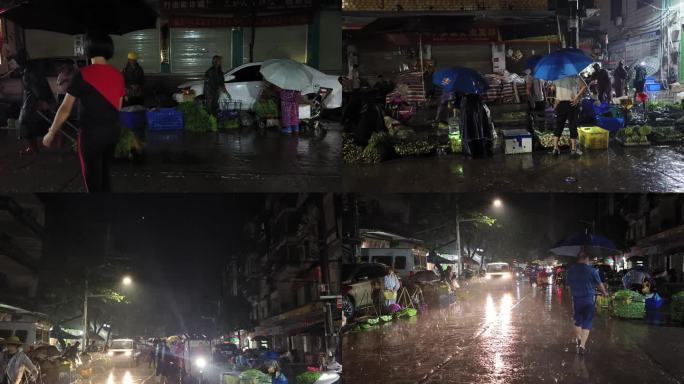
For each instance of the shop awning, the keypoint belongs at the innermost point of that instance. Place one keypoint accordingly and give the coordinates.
(665, 242)
(292, 321)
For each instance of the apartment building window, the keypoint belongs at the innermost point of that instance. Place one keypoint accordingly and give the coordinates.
(615, 9)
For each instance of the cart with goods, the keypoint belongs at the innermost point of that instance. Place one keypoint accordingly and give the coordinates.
(267, 113)
(629, 305)
(634, 136)
(678, 307)
(229, 112)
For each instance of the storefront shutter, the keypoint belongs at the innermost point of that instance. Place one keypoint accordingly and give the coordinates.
(192, 49)
(145, 43)
(280, 42)
(474, 56)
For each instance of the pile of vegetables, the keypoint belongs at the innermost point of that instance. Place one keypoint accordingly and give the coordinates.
(266, 109)
(665, 106)
(666, 135)
(197, 119)
(629, 305)
(230, 124)
(634, 135)
(407, 312)
(351, 153)
(678, 306)
(254, 376)
(128, 145)
(308, 377)
(414, 147)
(546, 139)
(371, 153)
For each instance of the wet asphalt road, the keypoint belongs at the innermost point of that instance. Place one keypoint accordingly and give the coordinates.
(177, 162)
(618, 169)
(512, 334)
(120, 374)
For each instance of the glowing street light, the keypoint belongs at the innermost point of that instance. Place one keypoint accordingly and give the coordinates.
(497, 203)
(127, 280)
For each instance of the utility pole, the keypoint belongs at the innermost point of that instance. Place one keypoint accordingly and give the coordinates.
(573, 24)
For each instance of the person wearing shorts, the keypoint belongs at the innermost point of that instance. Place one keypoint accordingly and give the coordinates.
(583, 280)
(569, 90)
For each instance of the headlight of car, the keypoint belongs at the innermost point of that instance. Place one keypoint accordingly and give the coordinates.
(110, 353)
(506, 275)
(488, 276)
(201, 362)
(128, 353)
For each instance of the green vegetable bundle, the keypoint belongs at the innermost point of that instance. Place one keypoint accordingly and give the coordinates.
(308, 378)
(266, 109)
(634, 135)
(455, 142)
(197, 119)
(351, 153)
(373, 321)
(629, 305)
(406, 312)
(386, 318)
(127, 145)
(254, 376)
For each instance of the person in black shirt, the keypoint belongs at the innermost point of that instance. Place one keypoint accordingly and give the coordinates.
(99, 88)
(38, 98)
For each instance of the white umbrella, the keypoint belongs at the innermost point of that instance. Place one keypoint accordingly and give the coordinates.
(287, 74)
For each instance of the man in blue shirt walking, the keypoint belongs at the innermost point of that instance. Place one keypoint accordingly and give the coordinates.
(583, 280)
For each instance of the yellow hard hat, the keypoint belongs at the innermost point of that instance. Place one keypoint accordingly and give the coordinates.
(132, 56)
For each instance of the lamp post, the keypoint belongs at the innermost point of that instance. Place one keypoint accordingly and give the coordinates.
(127, 280)
(497, 203)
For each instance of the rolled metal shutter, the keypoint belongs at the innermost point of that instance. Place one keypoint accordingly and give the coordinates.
(144, 43)
(192, 49)
(474, 56)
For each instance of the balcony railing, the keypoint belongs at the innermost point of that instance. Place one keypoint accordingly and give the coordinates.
(444, 5)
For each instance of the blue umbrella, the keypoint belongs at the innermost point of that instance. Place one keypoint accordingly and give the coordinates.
(460, 79)
(594, 245)
(562, 63)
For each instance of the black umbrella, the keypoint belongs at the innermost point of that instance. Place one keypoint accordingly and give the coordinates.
(80, 16)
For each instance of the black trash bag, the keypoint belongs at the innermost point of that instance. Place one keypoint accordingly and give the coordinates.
(476, 130)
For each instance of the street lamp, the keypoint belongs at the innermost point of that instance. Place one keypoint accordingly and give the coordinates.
(127, 280)
(497, 203)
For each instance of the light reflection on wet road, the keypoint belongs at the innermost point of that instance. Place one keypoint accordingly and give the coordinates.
(511, 335)
(122, 375)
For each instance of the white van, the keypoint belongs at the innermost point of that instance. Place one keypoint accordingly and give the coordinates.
(29, 332)
(401, 259)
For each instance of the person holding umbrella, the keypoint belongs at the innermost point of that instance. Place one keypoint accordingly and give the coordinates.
(100, 90)
(569, 90)
(291, 77)
(583, 280)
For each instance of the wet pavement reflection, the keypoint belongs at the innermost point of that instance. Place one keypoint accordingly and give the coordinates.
(176, 162)
(123, 375)
(511, 334)
(618, 169)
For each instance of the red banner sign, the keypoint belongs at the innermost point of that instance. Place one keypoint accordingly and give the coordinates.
(233, 22)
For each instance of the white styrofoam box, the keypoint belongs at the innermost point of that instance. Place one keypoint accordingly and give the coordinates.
(304, 111)
(517, 141)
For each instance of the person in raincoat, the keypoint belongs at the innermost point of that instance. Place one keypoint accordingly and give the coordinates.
(214, 85)
(476, 130)
(619, 79)
(601, 78)
(134, 77)
(37, 99)
(272, 368)
(289, 111)
(391, 286)
(14, 363)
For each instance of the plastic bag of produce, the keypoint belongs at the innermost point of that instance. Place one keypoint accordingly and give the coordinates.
(308, 378)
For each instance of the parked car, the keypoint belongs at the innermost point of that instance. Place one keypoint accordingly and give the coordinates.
(435, 290)
(361, 286)
(12, 88)
(125, 351)
(245, 83)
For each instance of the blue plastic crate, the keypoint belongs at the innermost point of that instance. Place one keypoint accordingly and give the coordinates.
(612, 124)
(133, 120)
(165, 119)
(654, 87)
(653, 303)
